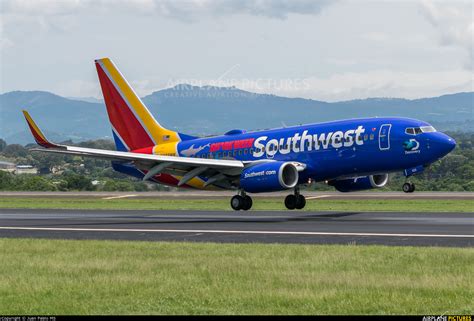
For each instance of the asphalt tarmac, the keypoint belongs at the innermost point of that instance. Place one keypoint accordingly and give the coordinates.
(193, 194)
(385, 228)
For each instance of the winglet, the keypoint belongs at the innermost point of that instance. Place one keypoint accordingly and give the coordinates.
(37, 134)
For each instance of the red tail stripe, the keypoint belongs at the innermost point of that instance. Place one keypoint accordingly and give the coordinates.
(121, 117)
(39, 139)
(146, 150)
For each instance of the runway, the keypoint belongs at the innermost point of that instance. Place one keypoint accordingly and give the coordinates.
(193, 194)
(387, 228)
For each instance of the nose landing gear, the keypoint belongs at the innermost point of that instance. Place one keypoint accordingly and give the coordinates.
(295, 201)
(241, 202)
(408, 187)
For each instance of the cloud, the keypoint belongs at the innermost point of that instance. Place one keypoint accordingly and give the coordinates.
(269, 8)
(453, 23)
(5, 42)
(19, 16)
(375, 36)
(182, 9)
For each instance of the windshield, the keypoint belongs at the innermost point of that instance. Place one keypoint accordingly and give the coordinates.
(419, 130)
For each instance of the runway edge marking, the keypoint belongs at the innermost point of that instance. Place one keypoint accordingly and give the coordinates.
(120, 196)
(66, 229)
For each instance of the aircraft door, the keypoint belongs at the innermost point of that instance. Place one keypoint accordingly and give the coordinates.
(384, 136)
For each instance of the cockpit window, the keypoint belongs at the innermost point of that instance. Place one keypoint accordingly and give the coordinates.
(419, 130)
(428, 129)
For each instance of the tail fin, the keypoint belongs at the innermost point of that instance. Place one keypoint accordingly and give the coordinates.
(40, 138)
(133, 126)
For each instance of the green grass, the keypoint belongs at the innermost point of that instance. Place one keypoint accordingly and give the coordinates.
(418, 205)
(117, 277)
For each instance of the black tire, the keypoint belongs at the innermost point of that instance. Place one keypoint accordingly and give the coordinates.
(407, 187)
(247, 203)
(237, 202)
(300, 202)
(412, 188)
(290, 202)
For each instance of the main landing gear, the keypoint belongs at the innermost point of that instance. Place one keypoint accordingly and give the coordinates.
(241, 202)
(295, 201)
(408, 187)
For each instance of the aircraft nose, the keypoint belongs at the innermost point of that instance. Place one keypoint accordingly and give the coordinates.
(450, 143)
(446, 143)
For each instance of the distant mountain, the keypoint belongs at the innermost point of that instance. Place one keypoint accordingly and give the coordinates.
(61, 118)
(87, 99)
(213, 110)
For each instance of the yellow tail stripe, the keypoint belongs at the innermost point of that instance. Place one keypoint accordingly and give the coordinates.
(33, 125)
(157, 132)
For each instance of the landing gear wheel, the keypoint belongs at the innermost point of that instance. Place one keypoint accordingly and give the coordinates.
(247, 203)
(300, 201)
(408, 187)
(237, 202)
(290, 202)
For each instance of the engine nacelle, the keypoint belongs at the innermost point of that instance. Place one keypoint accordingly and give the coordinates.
(360, 183)
(269, 177)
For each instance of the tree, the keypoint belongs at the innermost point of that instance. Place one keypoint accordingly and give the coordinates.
(6, 181)
(3, 144)
(78, 182)
(15, 150)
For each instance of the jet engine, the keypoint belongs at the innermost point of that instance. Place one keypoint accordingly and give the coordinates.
(360, 183)
(269, 177)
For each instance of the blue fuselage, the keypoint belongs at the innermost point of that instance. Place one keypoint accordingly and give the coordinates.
(332, 150)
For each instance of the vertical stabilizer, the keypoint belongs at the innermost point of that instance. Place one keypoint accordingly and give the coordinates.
(133, 126)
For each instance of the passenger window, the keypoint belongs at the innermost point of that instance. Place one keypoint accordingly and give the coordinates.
(246, 151)
(240, 152)
(366, 137)
(371, 136)
(251, 150)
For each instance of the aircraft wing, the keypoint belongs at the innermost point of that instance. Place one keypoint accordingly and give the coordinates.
(217, 171)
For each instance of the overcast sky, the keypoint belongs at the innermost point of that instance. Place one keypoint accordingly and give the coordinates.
(325, 50)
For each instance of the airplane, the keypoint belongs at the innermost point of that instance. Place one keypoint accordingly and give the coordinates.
(350, 155)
